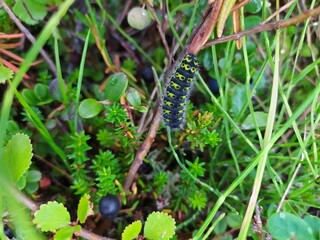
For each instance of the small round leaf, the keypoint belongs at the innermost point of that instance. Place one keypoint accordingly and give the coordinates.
(234, 220)
(159, 225)
(285, 225)
(89, 108)
(51, 216)
(253, 6)
(116, 86)
(260, 117)
(133, 97)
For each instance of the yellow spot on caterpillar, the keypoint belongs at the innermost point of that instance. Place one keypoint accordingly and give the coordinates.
(182, 98)
(180, 76)
(193, 69)
(186, 67)
(186, 89)
(189, 80)
(188, 58)
(174, 85)
(171, 95)
(169, 104)
(166, 111)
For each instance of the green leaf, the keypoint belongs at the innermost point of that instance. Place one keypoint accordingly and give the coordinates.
(30, 11)
(252, 21)
(116, 86)
(31, 187)
(89, 108)
(132, 231)
(17, 159)
(221, 227)
(42, 93)
(66, 232)
(234, 220)
(84, 208)
(34, 176)
(30, 97)
(51, 216)
(307, 50)
(133, 97)
(5, 74)
(261, 120)
(159, 225)
(238, 71)
(314, 223)
(142, 109)
(288, 226)
(238, 99)
(253, 6)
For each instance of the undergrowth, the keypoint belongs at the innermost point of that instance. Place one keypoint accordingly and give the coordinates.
(245, 163)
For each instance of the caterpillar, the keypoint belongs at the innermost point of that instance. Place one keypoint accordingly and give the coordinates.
(177, 92)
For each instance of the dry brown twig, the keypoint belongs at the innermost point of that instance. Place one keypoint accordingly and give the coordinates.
(199, 41)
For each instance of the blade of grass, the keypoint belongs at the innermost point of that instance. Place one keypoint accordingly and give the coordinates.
(268, 132)
(62, 85)
(79, 83)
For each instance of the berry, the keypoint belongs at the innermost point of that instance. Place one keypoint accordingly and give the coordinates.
(8, 232)
(109, 206)
(213, 85)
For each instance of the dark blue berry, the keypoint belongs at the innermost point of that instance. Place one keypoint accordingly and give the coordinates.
(109, 206)
(213, 85)
(8, 232)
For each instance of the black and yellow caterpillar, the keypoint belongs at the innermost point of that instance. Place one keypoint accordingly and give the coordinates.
(178, 91)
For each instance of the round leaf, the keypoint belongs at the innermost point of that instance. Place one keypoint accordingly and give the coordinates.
(234, 220)
(261, 120)
(89, 108)
(133, 97)
(252, 21)
(314, 223)
(116, 86)
(238, 99)
(132, 231)
(30, 97)
(42, 93)
(138, 18)
(34, 176)
(17, 159)
(284, 226)
(159, 225)
(51, 217)
(253, 6)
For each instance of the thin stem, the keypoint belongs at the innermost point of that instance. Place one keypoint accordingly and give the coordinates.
(267, 27)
